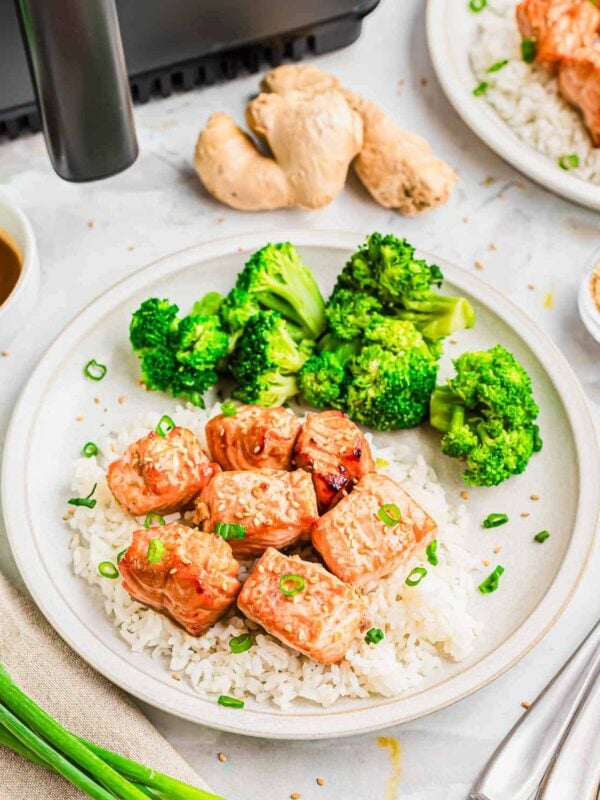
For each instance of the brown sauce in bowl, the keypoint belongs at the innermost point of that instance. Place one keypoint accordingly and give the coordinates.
(10, 265)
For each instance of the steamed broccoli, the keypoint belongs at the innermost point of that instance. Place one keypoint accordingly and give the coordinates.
(385, 268)
(382, 380)
(176, 355)
(275, 278)
(266, 359)
(487, 415)
(348, 312)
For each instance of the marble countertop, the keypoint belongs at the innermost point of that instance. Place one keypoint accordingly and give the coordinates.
(91, 235)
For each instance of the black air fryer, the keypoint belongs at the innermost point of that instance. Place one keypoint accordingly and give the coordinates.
(72, 67)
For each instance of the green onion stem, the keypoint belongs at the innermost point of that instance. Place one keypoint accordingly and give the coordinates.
(495, 520)
(16, 745)
(44, 726)
(58, 762)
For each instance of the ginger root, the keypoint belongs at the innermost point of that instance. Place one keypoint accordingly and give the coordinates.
(315, 128)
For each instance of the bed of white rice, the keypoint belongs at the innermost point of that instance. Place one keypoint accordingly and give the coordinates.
(423, 625)
(526, 96)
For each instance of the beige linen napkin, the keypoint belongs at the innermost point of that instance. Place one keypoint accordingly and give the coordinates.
(79, 698)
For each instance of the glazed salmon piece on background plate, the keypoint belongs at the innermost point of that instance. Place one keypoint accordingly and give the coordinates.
(303, 605)
(274, 507)
(253, 438)
(559, 27)
(160, 473)
(189, 574)
(372, 531)
(579, 81)
(336, 453)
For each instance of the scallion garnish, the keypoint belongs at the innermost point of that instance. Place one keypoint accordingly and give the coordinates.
(431, 553)
(90, 449)
(230, 702)
(84, 501)
(374, 636)
(291, 585)
(156, 550)
(165, 425)
(94, 370)
(498, 65)
(415, 576)
(241, 643)
(389, 514)
(120, 555)
(528, 50)
(568, 162)
(495, 520)
(481, 89)
(380, 463)
(230, 530)
(153, 517)
(108, 570)
(542, 536)
(490, 584)
(477, 5)
(228, 409)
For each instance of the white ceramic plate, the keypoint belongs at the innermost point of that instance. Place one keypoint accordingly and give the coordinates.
(451, 27)
(539, 580)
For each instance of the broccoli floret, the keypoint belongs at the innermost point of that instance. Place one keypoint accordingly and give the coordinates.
(200, 342)
(266, 359)
(391, 378)
(322, 380)
(158, 365)
(275, 278)
(487, 415)
(349, 312)
(208, 305)
(386, 268)
(152, 324)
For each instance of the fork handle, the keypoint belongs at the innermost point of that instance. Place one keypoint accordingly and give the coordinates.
(519, 763)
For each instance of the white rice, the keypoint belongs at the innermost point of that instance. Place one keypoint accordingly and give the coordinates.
(423, 625)
(526, 96)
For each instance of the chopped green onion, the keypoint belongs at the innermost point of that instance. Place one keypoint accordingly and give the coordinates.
(165, 425)
(291, 585)
(90, 449)
(120, 555)
(415, 576)
(477, 5)
(495, 520)
(153, 517)
(481, 89)
(528, 50)
(84, 501)
(380, 463)
(94, 370)
(230, 530)
(490, 584)
(389, 514)
(374, 636)
(431, 553)
(156, 550)
(230, 702)
(541, 536)
(241, 643)
(108, 570)
(569, 162)
(229, 409)
(498, 65)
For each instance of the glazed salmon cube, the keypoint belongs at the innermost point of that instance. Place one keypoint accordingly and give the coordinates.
(333, 449)
(579, 81)
(253, 438)
(303, 605)
(160, 473)
(358, 545)
(275, 507)
(191, 575)
(558, 26)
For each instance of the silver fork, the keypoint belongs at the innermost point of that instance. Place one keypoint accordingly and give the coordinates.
(520, 762)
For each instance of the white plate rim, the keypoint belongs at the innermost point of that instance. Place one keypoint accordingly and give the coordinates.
(486, 123)
(324, 723)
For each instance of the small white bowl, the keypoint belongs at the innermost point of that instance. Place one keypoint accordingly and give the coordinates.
(15, 311)
(588, 310)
